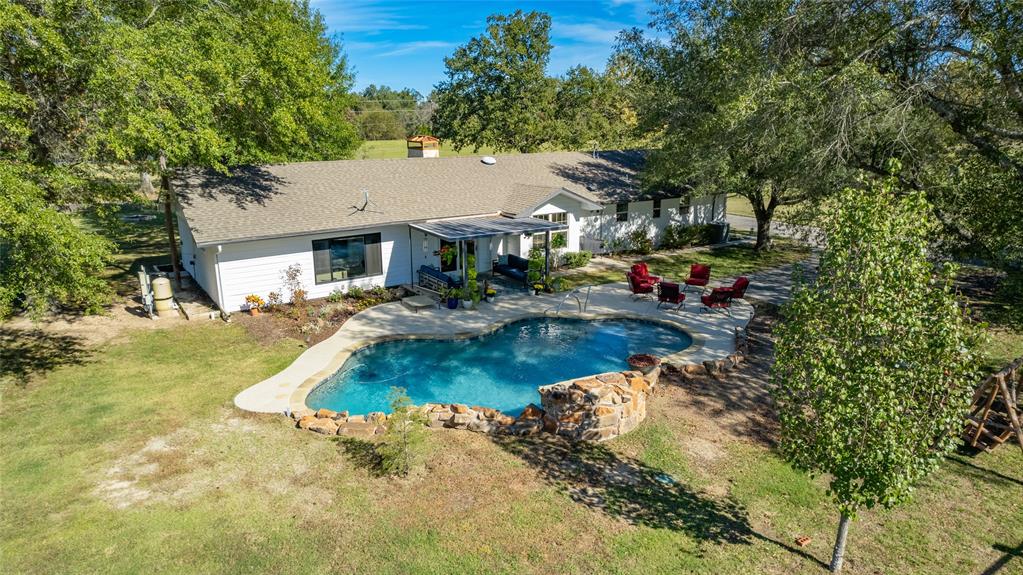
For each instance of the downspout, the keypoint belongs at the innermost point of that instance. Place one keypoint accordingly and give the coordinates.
(220, 284)
(411, 261)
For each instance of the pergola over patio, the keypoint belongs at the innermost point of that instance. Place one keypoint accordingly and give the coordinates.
(464, 229)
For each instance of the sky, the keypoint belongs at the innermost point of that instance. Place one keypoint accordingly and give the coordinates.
(402, 44)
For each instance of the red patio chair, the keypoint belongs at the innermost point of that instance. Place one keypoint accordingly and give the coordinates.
(739, 287)
(643, 273)
(668, 292)
(638, 286)
(699, 276)
(718, 299)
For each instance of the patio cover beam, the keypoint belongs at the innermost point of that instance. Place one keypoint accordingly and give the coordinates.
(472, 228)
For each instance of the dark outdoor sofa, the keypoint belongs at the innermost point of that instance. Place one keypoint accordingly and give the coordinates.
(515, 268)
(436, 280)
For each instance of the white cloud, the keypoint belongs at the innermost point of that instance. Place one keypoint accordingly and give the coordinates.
(602, 32)
(368, 17)
(410, 47)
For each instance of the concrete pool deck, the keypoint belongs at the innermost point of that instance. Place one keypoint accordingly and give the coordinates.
(713, 334)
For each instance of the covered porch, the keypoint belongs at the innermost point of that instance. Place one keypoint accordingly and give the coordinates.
(486, 238)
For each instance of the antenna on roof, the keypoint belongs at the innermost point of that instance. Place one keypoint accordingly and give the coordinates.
(365, 203)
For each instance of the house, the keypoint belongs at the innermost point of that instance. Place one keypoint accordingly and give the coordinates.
(375, 222)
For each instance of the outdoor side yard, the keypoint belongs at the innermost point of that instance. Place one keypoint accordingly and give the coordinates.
(128, 456)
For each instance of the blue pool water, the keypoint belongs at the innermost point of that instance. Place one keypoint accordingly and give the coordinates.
(500, 369)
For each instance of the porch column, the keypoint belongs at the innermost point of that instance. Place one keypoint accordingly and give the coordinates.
(546, 255)
(462, 259)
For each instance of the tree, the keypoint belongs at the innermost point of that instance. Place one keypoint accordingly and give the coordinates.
(403, 440)
(86, 85)
(497, 92)
(593, 111)
(873, 361)
(402, 112)
(45, 257)
(951, 108)
(728, 113)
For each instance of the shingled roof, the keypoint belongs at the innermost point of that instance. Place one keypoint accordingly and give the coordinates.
(311, 197)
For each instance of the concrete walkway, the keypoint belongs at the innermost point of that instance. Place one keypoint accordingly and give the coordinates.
(713, 334)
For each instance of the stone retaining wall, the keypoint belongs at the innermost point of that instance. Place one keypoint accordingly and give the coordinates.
(592, 408)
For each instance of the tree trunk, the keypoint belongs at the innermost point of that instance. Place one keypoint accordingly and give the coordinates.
(168, 219)
(838, 555)
(764, 242)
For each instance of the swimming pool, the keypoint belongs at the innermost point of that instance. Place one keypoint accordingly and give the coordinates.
(501, 369)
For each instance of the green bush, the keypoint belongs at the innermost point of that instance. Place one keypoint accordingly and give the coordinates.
(677, 236)
(641, 242)
(356, 292)
(402, 446)
(577, 259)
(336, 296)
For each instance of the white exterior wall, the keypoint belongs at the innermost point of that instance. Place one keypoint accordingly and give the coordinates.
(606, 227)
(255, 267)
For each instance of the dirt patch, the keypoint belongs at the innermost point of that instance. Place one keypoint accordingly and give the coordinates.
(735, 406)
(312, 322)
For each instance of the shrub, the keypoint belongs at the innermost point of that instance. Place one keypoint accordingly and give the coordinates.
(292, 278)
(274, 301)
(559, 241)
(675, 236)
(641, 242)
(356, 292)
(336, 296)
(379, 292)
(577, 259)
(401, 447)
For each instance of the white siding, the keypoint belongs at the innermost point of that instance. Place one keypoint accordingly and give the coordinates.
(255, 267)
(605, 227)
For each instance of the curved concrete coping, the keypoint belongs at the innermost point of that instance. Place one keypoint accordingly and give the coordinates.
(713, 336)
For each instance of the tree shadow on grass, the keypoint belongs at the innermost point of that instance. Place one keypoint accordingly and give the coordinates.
(1009, 553)
(362, 453)
(982, 473)
(626, 488)
(25, 353)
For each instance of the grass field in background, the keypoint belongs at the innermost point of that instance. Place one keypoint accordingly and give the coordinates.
(380, 149)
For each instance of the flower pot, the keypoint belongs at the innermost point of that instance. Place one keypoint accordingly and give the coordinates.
(643, 362)
(452, 303)
(467, 303)
(253, 311)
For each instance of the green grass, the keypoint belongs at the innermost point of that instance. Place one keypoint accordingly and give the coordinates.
(131, 458)
(378, 149)
(725, 262)
(224, 491)
(137, 243)
(740, 206)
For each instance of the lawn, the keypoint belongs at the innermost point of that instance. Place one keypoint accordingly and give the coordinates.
(130, 457)
(725, 262)
(376, 149)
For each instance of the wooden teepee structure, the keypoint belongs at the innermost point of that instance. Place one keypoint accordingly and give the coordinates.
(995, 414)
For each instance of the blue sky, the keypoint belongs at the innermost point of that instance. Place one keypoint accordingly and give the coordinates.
(403, 44)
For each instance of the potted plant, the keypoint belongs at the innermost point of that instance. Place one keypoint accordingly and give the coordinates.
(472, 287)
(537, 288)
(451, 296)
(643, 362)
(447, 255)
(491, 294)
(254, 302)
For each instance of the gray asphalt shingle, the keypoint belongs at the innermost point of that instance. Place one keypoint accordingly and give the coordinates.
(309, 197)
